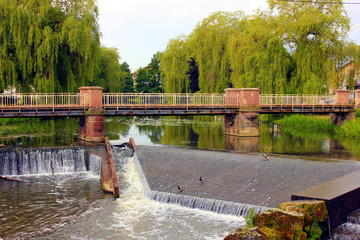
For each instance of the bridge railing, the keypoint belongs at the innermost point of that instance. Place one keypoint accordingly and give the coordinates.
(293, 99)
(41, 99)
(133, 99)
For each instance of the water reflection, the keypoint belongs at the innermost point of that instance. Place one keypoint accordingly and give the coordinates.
(204, 132)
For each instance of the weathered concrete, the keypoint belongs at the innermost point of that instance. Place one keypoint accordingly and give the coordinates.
(109, 182)
(244, 178)
(341, 195)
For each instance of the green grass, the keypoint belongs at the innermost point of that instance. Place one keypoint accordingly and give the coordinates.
(307, 123)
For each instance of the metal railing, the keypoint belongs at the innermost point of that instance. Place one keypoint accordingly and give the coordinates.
(146, 99)
(292, 99)
(42, 99)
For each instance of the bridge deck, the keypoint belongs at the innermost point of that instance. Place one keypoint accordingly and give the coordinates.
(158, 109)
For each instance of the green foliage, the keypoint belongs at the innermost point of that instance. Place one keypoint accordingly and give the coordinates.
(290, 48)
(350, 128)
(148, 78)
(267, 118)
(357, 113)
(51, 45)
(127, 84)
(307, 123)
(315, 231)
(173, 63)
(109, 74)
(250, 219)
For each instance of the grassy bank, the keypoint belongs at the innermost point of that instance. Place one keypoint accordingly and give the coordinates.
(320, 125)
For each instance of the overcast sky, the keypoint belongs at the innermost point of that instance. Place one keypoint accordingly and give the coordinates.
(140, 28)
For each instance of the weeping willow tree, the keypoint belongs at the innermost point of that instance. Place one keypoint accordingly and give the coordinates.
(315, 35)
(109, 74)
(294, 47)
(51, 45)
(258, 58)
(173, 63)
(210, 43)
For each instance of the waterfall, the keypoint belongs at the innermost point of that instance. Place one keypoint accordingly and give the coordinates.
(213, 205)
(42, 161)
(94, 164)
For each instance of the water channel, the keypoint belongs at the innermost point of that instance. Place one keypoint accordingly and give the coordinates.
(70, 205)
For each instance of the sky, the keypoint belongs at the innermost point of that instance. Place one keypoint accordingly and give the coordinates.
(140, 28)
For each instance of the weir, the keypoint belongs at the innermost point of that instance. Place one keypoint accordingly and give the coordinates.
(207, 204)
(43, 161)
(61, 160)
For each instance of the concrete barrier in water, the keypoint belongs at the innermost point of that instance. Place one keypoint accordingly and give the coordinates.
(109, 182)
(341, 196)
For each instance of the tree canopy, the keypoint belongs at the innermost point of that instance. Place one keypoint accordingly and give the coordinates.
(148, 78)
(52, 45)
(293, 47)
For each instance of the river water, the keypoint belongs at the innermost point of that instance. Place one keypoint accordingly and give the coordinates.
(70, 204)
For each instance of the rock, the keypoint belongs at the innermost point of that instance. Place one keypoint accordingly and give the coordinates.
(286, 222)
(290, 208)
(246, 234)
(271, 233)
(315, 208)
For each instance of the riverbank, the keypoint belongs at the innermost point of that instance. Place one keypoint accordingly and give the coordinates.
(297, 124)
(231, 176)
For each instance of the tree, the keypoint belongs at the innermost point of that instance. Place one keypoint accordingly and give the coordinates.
(148, 78)
(109, 74)
(174, 65)
(128, 83)
(315, 34)
(258, 58)
(52, 45)
(193, 75)
(210, 48)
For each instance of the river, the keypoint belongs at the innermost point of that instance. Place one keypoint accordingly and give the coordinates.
(70, 205)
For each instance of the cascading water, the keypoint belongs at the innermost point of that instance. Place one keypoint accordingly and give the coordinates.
(135, 216)
(45, 161)
(24, 162)
(349, 230)
(61, 185)
(213, 205)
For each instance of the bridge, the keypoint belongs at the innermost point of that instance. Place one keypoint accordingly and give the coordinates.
(240, 107)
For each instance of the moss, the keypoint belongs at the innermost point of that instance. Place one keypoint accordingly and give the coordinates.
(315, 231)
(250, 219)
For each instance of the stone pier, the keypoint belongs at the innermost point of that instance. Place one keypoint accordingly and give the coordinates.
(357, 99)
(245, 123)
(91, 126)
(342, 97)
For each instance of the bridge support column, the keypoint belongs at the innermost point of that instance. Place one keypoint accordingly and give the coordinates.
(91, 126)
(245, 123)
(340, 118)
(341, 97)
(357, 99)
